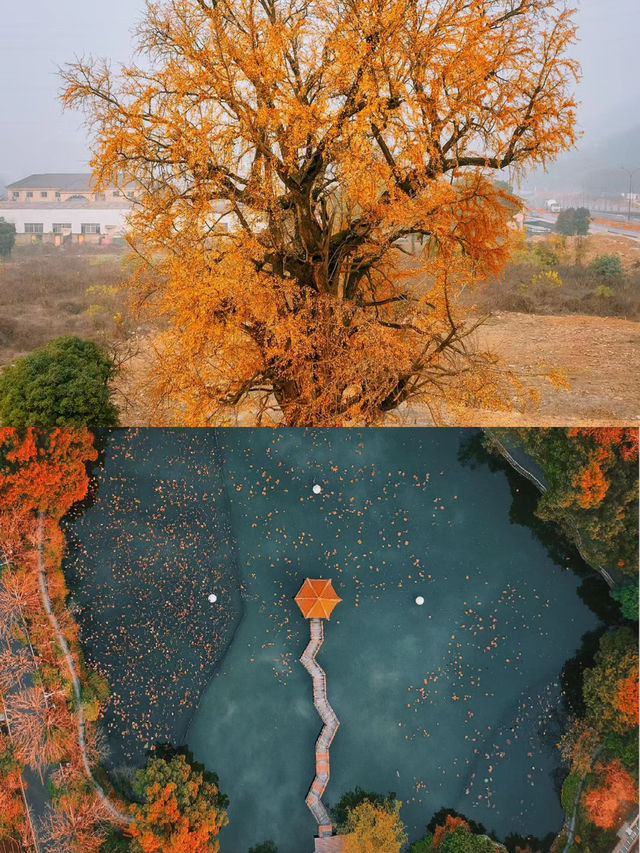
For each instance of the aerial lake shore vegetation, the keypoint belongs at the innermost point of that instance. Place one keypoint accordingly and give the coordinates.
(172, 802)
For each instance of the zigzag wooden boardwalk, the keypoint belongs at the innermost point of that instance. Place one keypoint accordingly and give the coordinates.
(329, 729)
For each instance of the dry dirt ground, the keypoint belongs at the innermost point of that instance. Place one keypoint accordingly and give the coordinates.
(45, 294)
(599, 356)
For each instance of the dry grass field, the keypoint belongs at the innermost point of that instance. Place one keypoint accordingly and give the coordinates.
(599, 357)
(590, 334)
(47, 291)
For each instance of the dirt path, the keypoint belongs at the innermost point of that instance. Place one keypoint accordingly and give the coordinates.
(112, 810)
(599, 356)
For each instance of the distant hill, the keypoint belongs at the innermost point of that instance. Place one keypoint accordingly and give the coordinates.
(595, 167)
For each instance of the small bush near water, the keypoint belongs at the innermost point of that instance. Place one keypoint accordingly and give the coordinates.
(550, 277)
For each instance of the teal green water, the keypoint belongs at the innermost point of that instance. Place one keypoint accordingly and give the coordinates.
(449, 704)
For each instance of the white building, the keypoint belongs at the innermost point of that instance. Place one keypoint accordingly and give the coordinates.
(57, 207)
(90, 220)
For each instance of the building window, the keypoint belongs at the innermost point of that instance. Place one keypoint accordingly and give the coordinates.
(61, 227)
(15, 194)
(116, 194)
(44, 194)
(29, 194)
(34, 228)
(90, 228)
(58, 195)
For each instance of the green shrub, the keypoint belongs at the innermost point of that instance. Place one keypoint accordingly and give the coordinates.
(546, 256)
(627, 597)
(424, 845)
(608, 265)
(569, 791)
(7, 238)
(602, 291)
(65, 383)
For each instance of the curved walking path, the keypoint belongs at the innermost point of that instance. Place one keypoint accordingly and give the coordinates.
(329, 729)
(116, 815)
(610, 576)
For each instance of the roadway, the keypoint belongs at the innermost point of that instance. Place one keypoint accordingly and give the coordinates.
(594, 227)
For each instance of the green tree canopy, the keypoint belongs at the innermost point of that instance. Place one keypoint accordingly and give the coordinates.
(7, 238)
(65, 383)
(265, 847)
(615, 661)
(627, 596)
(581, 220)
(573, 221)
(462, 840)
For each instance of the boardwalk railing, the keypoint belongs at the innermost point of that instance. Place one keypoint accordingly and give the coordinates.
(328, 731)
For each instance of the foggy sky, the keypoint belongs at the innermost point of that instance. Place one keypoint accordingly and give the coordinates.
(38, 36)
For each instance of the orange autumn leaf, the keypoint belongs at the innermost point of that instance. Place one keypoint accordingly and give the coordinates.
(592, 484)
(448, 826)
(182, 810)
(626, 699)
(607, 803)
(44, 470)
(624, 440)
(315, 185)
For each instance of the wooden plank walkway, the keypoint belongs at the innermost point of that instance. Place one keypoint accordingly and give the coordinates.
(328, 731)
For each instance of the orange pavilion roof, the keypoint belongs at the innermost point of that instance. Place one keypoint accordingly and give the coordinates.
(316, 599)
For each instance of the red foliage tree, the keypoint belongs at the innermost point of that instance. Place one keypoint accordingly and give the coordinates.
(14, 536)
(12, 814)
(623, 440)
(607, 803)
(44, 470)
(14, 666)
(626, 699)
(445, 828)
(18, 593)
(592, 484)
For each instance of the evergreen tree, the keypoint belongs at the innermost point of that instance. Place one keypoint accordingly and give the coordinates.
(7, 238)
(65, 383)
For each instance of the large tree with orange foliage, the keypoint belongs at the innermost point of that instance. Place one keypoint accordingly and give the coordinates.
(609, 802)
(183, 808)
(285, 151)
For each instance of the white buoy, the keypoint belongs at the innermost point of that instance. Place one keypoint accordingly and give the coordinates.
(213, 598)
(317, 488)
(419, 599)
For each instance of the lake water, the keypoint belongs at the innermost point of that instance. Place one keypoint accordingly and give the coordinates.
(449, 704)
